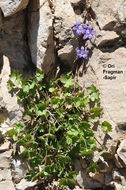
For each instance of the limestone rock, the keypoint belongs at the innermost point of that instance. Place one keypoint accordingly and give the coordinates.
(85, 182)
(105, 38)
(7, 185)
(65, 19)
(5, 146)
(112, 146)
(6, 154)
(10, 7)
(13, 110)
(107, 13)
(13, 41)
(1, 19)
(5, 174)
(4, 163)
(118, 162)
(107, 71)
(24, 184)
(18, 169)
(99, 177)
(119, 176)
(75, 2)
(119, 187)
(121, 152)
(108, 179)
(41, 41)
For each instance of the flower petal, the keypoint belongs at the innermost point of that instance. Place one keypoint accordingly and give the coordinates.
(89, 27)
(85, 37)
(82, 48)
(78, 32)
(93, 32)
(79, 55)
(75, 28)
(83, 31)
(84, 25)
(78, 23)
(86, 52)
(90, 36)
(78, 51)
(85, 56)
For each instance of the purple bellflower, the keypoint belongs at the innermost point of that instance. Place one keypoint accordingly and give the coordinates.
(82, 53)
(88, 33)
(79, 28)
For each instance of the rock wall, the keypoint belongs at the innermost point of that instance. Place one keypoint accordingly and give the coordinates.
(40, 32)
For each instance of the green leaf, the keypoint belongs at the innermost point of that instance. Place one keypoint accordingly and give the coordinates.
(85, 125)
(19, 127)
(16, 78)
(25, 88)
(55, 102)
(21, 95)
(95, 114)
(52, 89)
(48, 135)
(72, 174)
(25, 153)
(69, 83)
(73, 132)
(66, 182)
(63, 79)
(11, 132)
(15, 137)
(106, 127)
(40, 109)
(105, 154)
(94, 96)
(94, 168)
(64, 159)
(39, 75)
(87, 153)
(10, 85)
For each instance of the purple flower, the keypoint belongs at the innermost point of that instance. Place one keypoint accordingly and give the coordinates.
(88, 33)
(79, 28)
(82, 52)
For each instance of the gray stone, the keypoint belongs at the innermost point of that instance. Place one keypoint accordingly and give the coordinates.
(107, 13)
(105, 38)
(112, 90)
(119, 176)
(40, 35)
(9, 102)
(10, 7)
(5, 146)
(99, 177)
(6, 154)
(18, 168)
(65, 19)
(85, 182)
(121, 152)
(118, 162)
(4, 163)
(108, 179)
(25, 184)
(5, 174)
(111, 146)
(8, 185)
(119, 187)
(75, 2)
(13, 41)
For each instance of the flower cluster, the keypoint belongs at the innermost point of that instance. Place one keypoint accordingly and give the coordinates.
(82, 52)
(87, 32)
